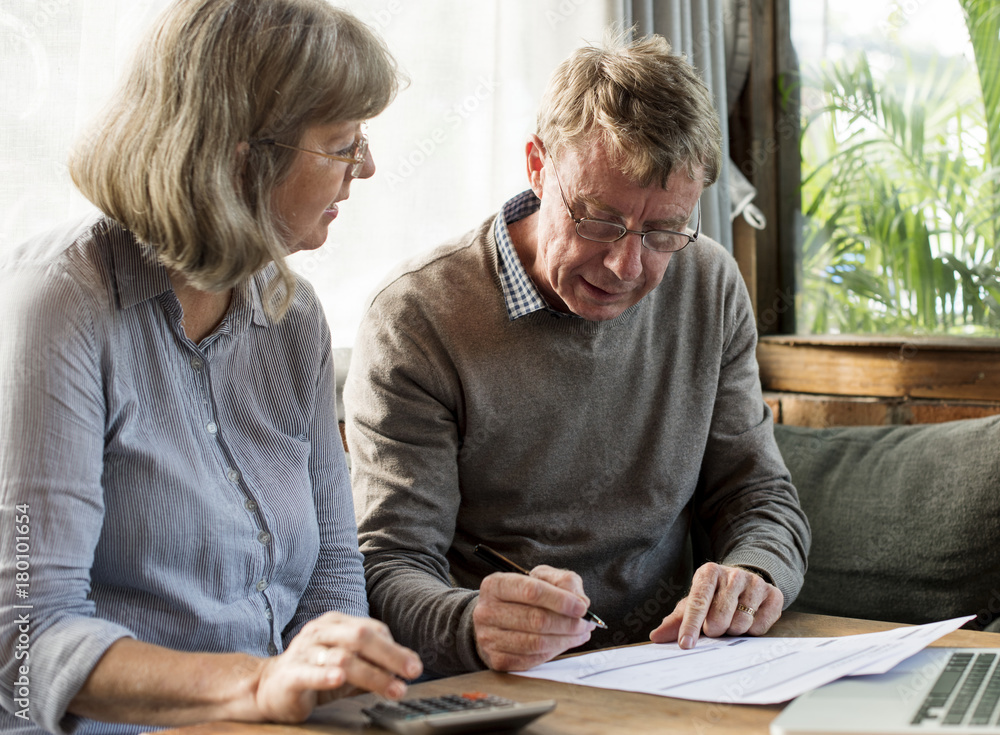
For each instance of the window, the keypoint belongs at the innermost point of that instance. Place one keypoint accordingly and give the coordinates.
(449, 151)
(923, 357)
(899, 181)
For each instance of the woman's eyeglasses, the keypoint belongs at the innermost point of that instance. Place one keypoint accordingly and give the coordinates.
(358, 153)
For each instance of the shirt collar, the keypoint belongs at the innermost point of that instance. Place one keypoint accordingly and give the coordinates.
(256, 287)
(139, 277)
(520, 294)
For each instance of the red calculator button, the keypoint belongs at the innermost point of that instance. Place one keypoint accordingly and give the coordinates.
(474, 696)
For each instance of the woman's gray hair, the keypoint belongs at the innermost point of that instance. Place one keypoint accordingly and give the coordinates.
(168, 158)
(647, 106)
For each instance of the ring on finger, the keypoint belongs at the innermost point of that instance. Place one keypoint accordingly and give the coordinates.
(744, 609)
(321, 657)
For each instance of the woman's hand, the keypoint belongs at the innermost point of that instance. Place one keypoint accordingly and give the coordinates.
(333, 656)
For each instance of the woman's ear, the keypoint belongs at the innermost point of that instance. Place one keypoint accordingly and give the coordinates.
(534, 153)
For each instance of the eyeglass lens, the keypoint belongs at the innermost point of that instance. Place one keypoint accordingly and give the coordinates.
(601, 231)
(360, 154)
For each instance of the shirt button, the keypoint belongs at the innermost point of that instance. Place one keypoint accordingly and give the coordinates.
(197, 363)
(211, 428)
(262, 585)
(268, 614)
(264, 537)
(272, 649)
(250, 504)
(233, 476)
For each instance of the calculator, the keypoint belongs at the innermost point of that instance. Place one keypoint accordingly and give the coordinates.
(456, 713)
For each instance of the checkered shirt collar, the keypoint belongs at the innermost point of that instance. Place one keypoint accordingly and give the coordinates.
(520, 294)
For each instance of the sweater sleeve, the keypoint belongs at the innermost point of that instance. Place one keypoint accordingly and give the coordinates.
(403, 436)
(746, 501)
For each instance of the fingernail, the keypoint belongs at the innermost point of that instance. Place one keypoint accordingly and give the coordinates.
(397, 689)
(687, 642)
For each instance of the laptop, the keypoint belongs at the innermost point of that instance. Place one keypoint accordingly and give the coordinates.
(939, 690)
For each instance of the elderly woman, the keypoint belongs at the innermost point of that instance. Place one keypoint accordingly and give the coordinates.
(177, 538)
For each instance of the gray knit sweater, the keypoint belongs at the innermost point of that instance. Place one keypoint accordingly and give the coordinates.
(591, 446)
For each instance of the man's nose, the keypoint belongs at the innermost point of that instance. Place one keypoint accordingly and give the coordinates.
(624, 257)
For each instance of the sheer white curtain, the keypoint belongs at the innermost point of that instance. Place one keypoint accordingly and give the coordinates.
(58, 61)
(449, 151)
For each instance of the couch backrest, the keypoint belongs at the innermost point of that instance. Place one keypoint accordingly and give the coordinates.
(905, 519)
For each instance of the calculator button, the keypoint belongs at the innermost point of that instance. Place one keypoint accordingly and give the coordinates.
(453, 714)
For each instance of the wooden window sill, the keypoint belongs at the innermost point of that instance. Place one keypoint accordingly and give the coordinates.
(874, 381)
(886, 367)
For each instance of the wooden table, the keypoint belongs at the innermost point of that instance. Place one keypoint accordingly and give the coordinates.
(589, 711)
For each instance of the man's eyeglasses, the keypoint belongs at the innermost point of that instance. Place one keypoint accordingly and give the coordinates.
(599, 230)
(358, 152)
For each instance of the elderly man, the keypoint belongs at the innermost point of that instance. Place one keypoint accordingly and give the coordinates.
(574, 384)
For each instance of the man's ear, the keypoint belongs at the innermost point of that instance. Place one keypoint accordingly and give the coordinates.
(534, 153)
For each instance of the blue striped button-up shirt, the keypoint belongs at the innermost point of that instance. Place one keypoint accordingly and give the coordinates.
(194, 496)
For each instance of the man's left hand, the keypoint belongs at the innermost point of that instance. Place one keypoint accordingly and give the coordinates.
(722, 601)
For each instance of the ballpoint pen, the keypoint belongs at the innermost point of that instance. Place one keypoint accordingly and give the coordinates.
(503, 564)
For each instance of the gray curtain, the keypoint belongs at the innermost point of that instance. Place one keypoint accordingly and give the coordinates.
(696, 29)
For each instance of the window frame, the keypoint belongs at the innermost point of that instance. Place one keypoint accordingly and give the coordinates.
(764, 133)
(764, 143)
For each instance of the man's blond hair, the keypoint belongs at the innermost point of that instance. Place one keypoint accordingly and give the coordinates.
(646, 106)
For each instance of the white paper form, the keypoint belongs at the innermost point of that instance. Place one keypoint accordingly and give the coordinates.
(743, 670)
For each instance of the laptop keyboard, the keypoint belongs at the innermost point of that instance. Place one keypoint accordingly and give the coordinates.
(974, 704)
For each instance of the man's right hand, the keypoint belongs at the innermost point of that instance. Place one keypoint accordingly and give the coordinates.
(522, 621)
